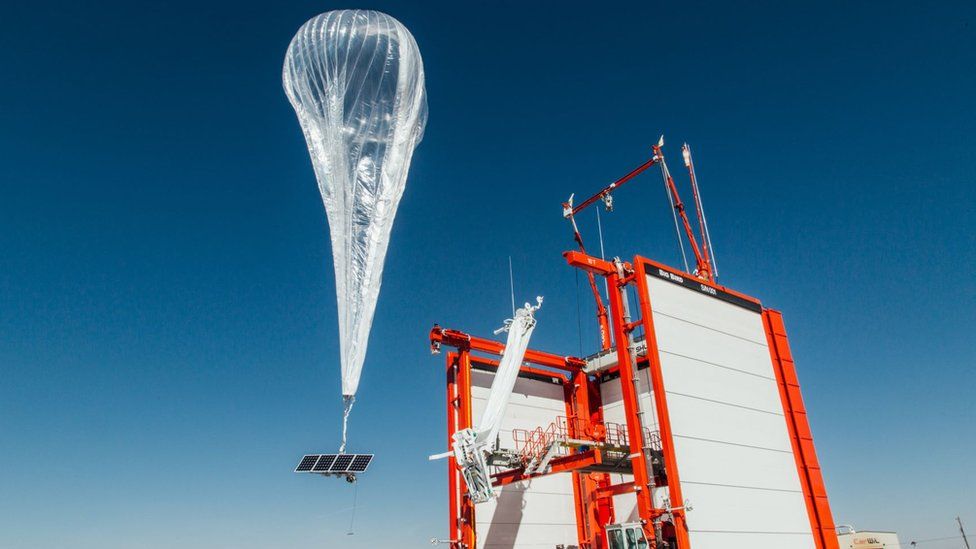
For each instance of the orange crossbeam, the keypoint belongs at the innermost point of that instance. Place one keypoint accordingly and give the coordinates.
(563, 464)
(589, 263)
(525, 369)
(616, 184)
(615, 490)
(462, 341)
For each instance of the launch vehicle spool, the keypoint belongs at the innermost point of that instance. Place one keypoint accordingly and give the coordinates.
(687, 431)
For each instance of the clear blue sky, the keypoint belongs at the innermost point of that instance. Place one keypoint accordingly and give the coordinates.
(168, 341)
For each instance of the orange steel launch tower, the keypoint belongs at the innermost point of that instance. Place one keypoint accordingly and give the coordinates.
(708, 444)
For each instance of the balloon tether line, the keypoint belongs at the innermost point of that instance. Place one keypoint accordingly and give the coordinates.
(347, 402)
(355, 499)
(511, 282)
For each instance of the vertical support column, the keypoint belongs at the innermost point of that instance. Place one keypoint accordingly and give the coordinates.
(801, 438)
(635, 430)
(592, 512)
(574, 391)
(661, 407)
(454, 526)
(603, 513)
(466, 519)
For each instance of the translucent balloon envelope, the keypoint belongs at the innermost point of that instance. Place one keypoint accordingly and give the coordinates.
(356, 81)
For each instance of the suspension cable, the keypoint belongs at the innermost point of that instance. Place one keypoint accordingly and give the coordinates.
(674, 213)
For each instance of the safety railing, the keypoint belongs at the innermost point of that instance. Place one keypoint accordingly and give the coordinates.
(534, 443)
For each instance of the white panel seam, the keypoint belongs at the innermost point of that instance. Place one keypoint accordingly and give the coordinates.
(709, 328)
(725, 403)
(790, 452)
(522, 523)
(663, 352)
(749, 532)
(685, 481)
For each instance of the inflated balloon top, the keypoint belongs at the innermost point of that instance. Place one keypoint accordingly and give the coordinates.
(356, 81)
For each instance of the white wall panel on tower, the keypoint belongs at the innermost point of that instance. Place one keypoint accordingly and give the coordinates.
(724, 385)
(745, 466)
(730, 435)
(678, 337)
(613, 401)
(752, 540)
(530, 514)
(702, 419)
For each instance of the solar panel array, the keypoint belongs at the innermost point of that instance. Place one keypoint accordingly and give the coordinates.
(324, 464)
(342, 463)
(334, 463)
(306, 464)
(360, 463)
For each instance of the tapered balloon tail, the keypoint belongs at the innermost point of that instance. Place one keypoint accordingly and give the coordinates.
(347, 402)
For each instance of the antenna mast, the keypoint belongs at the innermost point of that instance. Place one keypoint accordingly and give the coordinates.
(666, 175)
(703, 267)
(707, 249)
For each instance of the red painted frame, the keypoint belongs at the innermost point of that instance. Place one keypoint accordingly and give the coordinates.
(661, 403)
(801, 438)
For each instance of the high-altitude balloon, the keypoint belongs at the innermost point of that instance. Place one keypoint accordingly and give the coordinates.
(356, 81)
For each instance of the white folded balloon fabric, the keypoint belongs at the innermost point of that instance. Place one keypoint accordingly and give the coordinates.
(519, 330)
(472, 447)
